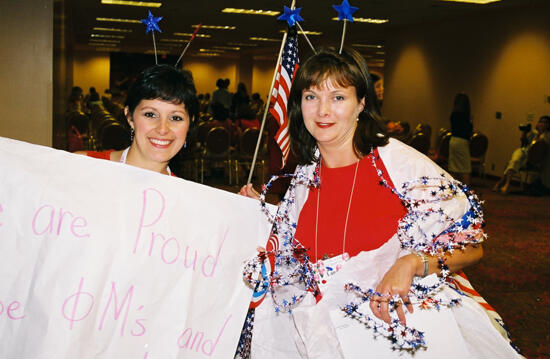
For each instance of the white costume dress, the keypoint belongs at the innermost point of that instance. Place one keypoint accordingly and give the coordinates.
(322, 330)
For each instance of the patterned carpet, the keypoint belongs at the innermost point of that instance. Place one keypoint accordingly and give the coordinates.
(514, 275)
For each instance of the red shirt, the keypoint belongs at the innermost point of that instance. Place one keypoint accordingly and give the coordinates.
(104, 155)
(373, 216)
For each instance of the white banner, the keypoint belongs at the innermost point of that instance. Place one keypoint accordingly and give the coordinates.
(104, 260)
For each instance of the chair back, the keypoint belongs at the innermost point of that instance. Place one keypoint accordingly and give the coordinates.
(248, 141)
(537, 153)
(113, 135)
(217, 141)
(443, 150)
(421, 143)
(424, 128)
(202, 131)
(478, 145)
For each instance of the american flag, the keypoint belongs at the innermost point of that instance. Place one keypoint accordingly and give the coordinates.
(281, 89)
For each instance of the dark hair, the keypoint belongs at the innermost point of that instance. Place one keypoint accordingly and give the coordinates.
(547, 118)
(219, 83)
(346, 69)
(219, 112)
(164, 82)
(241, 87)
(462, 103)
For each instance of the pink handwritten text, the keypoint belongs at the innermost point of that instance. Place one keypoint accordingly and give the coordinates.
(78, 306)
(196, 340)
(167, 248)
(48, 220)
(10, 310)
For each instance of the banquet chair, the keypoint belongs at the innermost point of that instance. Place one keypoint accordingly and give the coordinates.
(442, 151)
(216, 151)
(245, 153)
(202, 130)
(420, 142)
(478, 148)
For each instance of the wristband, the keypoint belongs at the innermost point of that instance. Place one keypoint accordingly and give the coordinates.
(424, 259)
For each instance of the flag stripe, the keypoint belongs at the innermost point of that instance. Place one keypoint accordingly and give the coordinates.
(281, 90)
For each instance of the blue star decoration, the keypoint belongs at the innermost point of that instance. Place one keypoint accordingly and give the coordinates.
(152, 23)
(345, 11)
(291, 16)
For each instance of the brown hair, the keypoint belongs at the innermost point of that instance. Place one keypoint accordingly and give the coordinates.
(346, 69)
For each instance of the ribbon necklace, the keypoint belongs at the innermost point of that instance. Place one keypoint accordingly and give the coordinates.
(125, 154)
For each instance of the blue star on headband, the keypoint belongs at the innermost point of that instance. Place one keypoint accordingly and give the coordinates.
(291, 16)
(152, 23)
(345, 11)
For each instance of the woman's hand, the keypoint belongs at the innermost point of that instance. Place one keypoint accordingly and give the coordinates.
(397, 280)
(249, 191)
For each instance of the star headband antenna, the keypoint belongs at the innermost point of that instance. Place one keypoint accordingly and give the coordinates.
(152, 24)
(292, 17)
(345, 12)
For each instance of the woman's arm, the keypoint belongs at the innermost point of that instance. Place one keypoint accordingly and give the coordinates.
(398, 278)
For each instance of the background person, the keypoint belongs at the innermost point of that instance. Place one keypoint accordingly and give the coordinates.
(519, 156)
(460, 164)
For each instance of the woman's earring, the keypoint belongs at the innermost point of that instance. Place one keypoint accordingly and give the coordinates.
(185, 144)
(131, 134)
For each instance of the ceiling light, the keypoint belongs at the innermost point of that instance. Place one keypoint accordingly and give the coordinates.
(368, 20)
(111, 29)
(107, 36)
(307, 32)
(101, 44)
(110, 19)
(250, 11)
(369, 45)
(241, 44)
(216, 27)
(132, 3)
(211, 50)
(207, 54)
(264, 39)
(234, 48)
(474, 1)
(174, 40)
(159, 52)
(189, 34)
(105, 41)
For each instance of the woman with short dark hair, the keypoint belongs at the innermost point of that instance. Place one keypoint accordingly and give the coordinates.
(160, 108)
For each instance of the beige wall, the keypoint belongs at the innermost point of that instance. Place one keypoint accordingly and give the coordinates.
(92, 69)
(262, 76)
(26, 70)
(501, 62)
(207, 70)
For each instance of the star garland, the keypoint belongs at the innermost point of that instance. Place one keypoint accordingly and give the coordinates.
(420, 197)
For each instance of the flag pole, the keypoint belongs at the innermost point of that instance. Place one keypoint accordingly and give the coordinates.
(266, 110)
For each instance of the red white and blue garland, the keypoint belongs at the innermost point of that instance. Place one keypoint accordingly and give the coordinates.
(421, 197)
